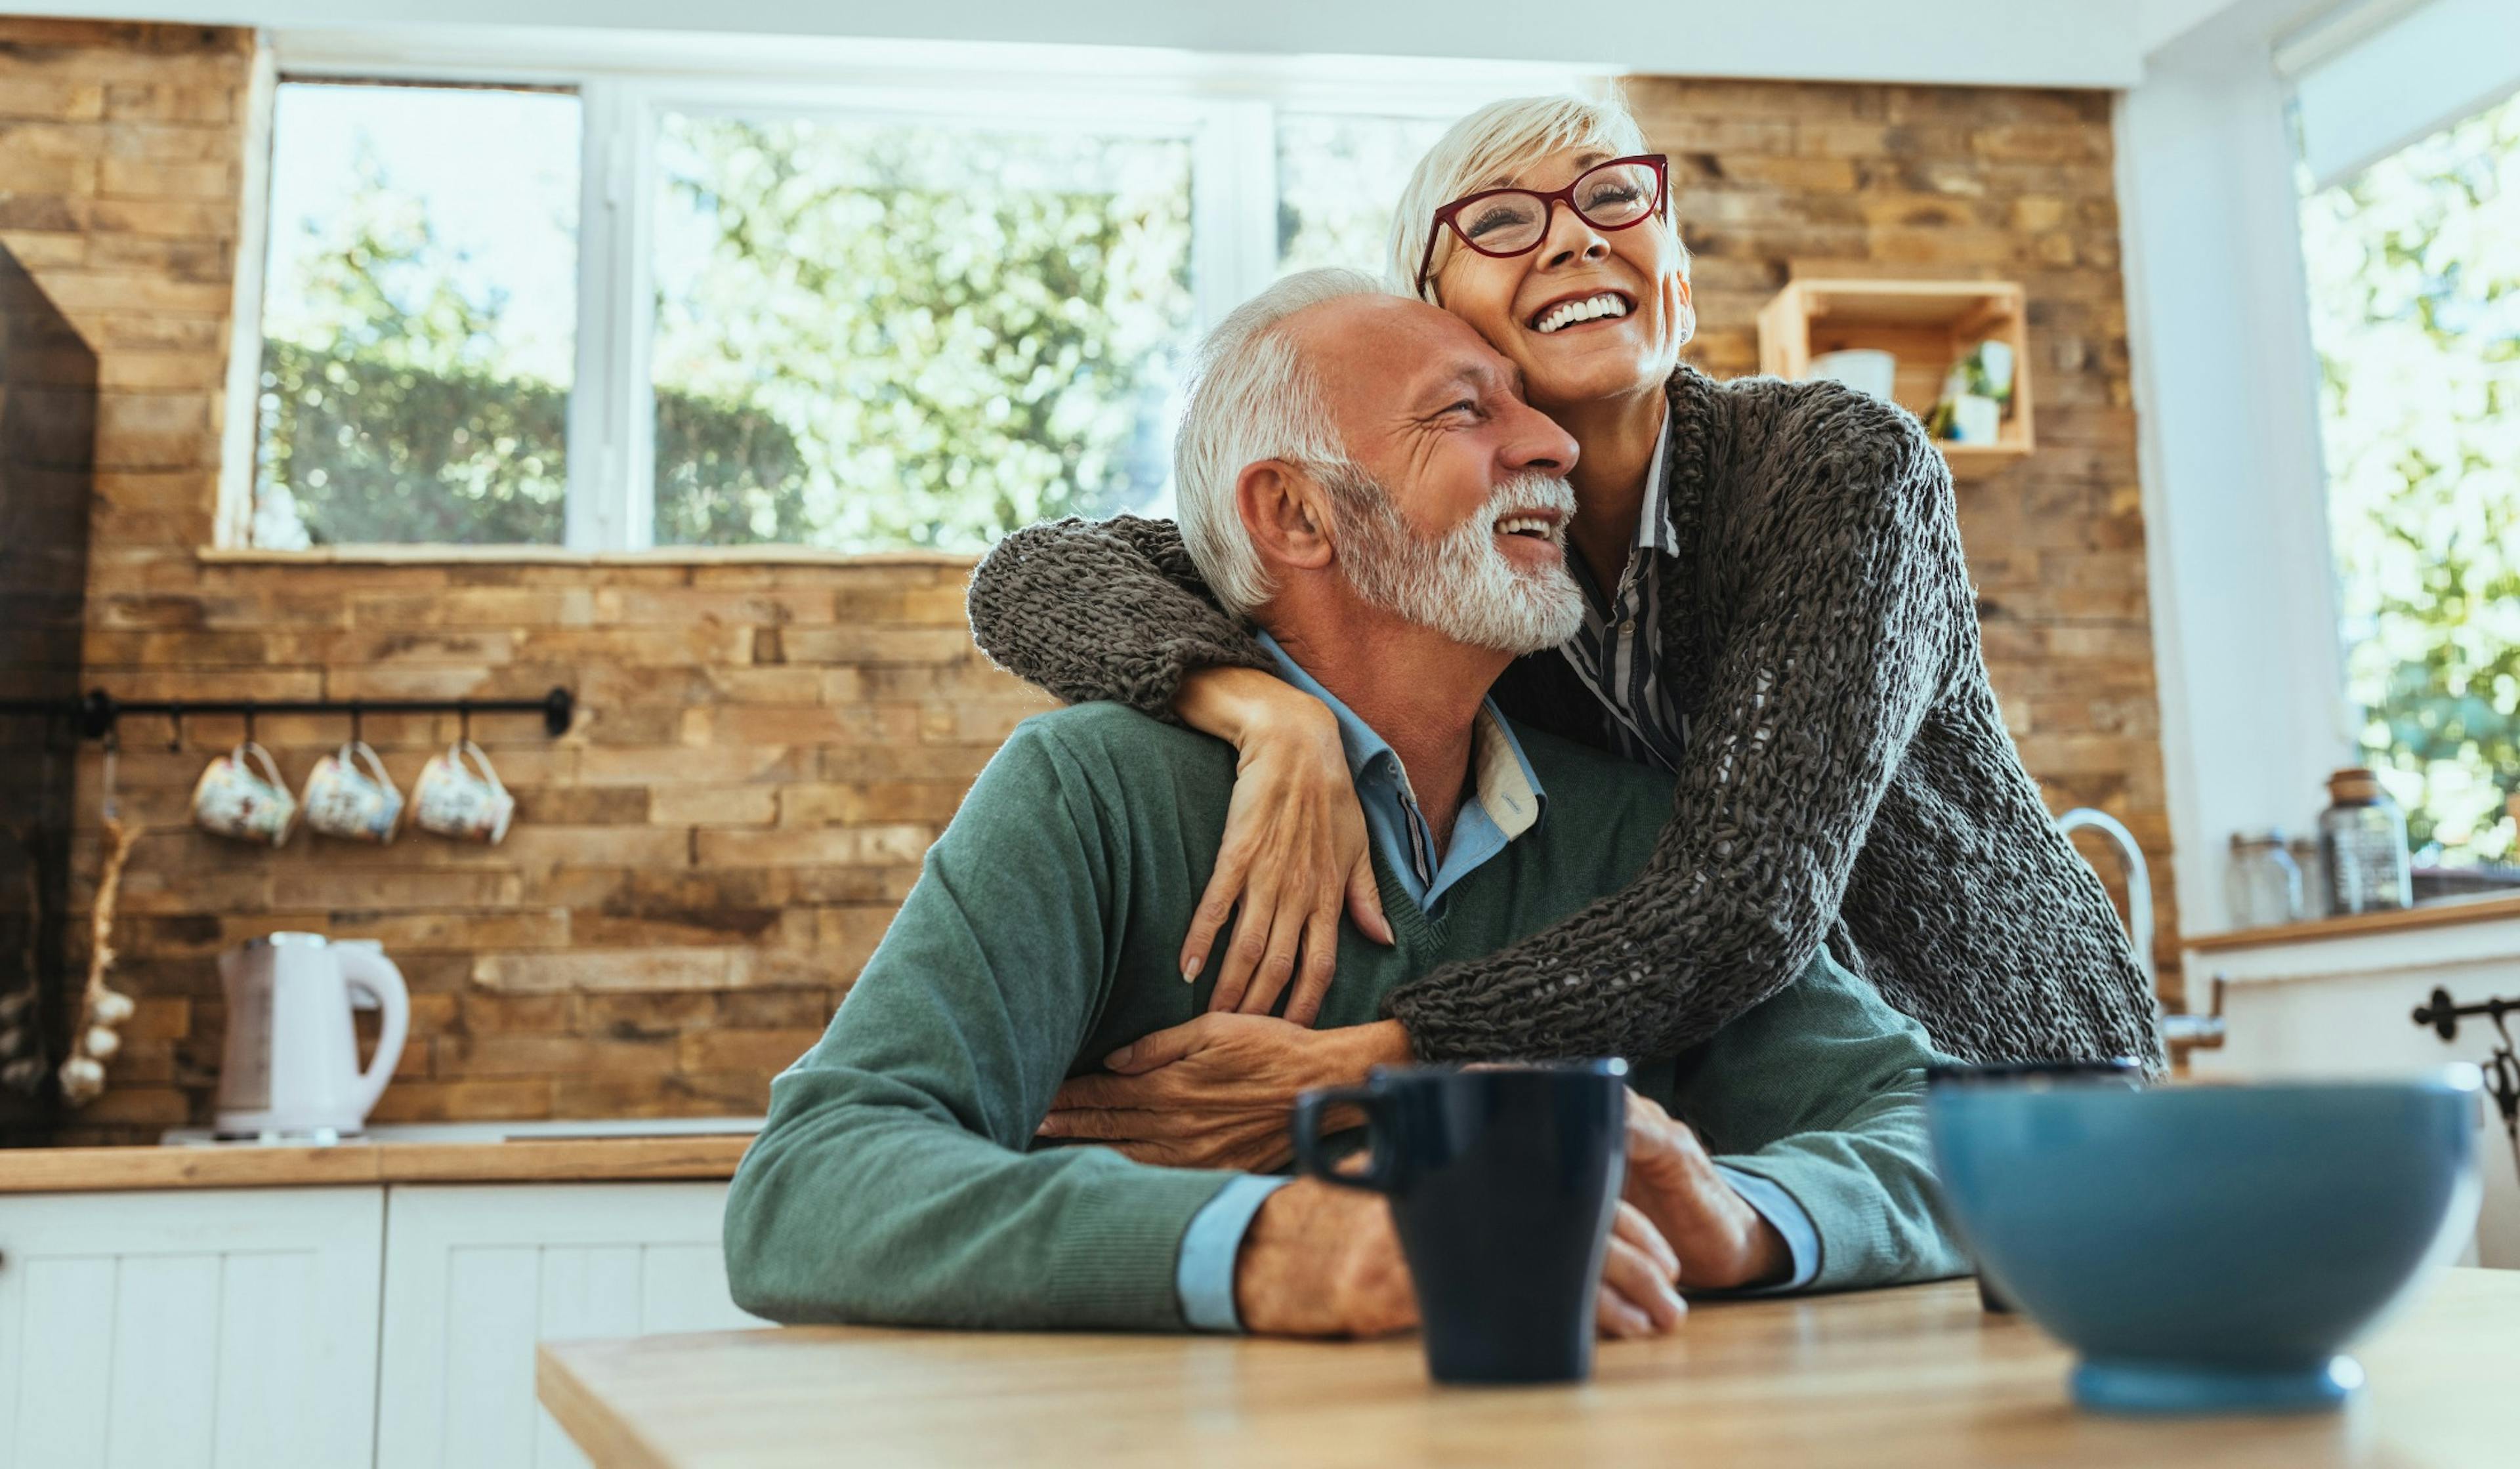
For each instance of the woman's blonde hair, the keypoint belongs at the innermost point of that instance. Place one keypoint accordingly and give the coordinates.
(1483, 149)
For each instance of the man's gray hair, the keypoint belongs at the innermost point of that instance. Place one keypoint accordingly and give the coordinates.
(1252, 398)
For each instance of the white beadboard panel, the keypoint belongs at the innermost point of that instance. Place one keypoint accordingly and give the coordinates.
(476, 1274)
(591, 1291)
(63, 1378)
(209, 1330)
(684, 1290)
(490, 1313)
(263, 1341)
(165, 1382)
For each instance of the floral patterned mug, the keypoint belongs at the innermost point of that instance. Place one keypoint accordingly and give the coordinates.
(346, 801)
(232, 799)
(459, 796)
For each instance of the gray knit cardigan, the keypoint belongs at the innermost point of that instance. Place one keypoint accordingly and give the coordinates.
(1849, 779)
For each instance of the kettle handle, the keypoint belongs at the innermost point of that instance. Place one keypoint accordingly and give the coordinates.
(365, 968)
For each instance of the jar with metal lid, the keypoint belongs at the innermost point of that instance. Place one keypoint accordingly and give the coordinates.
(2363, 834)
(2264, 883)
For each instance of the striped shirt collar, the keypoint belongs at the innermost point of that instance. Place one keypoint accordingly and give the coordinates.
(1617, 651)
(1654, 518)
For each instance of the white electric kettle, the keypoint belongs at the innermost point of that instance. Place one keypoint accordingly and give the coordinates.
(292, 1060)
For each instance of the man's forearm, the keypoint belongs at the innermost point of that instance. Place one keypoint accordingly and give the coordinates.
(864, 1202)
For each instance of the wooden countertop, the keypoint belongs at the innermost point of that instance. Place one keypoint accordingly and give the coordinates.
(1918, 1376)
(2356, 925)
(80, 1170)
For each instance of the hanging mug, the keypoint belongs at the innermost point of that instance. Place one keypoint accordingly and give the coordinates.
(459, 796)
(346, 801)
(233, 800)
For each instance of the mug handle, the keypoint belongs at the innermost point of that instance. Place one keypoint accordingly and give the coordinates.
(360, 752)
(480, 762)
(262, 757)
(1380, 1174)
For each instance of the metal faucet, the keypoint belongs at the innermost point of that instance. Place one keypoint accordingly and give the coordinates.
(2183, 1032)
(2139, 874)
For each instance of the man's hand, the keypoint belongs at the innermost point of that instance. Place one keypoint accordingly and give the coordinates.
(1324, 1261)
(1217, 1091)
(1722, 1242)
(1637, 1298)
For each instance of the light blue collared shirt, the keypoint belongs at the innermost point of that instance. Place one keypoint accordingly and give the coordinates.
(1506, 799)
(1509, 802)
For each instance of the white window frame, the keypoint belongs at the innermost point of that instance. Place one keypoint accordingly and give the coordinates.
(1226, 107)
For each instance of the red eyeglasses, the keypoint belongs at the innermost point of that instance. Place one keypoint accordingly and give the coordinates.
(1509, 222)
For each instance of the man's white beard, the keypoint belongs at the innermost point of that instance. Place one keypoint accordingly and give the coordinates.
(1463, 585)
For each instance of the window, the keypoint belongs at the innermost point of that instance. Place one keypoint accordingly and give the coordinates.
(1338, 177)
(879, 334)
(418, 316)
(613, 309)
(2415, 281)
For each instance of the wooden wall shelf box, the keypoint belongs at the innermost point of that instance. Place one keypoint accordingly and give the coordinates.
(1926, 325)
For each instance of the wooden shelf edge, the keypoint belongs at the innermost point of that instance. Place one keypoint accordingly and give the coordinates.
(2358, 925)
(106, 1170)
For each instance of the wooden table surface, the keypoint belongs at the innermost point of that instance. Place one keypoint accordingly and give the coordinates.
(1915, 1376)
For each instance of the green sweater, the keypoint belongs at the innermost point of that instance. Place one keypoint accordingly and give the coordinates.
(896, 1181)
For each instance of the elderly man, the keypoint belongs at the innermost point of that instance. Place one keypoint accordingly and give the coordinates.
(1358, 473)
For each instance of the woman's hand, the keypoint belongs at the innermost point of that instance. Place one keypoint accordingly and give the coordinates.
(1295, 850)
(1217, 1091)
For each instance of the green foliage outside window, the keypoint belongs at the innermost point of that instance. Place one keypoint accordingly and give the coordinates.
(869, 338)
(960, 332)
(390, 416)
(2414, 283)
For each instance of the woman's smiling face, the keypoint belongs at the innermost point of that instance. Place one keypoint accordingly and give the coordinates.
(1631, 301)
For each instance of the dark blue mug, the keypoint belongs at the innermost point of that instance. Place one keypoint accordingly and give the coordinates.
(1504, 1181)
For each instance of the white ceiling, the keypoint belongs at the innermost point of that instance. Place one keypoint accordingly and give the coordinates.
(2072, 43)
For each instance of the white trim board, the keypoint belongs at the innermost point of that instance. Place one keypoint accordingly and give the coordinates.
(2423, 67)
(2055, 43)
(2251, 676)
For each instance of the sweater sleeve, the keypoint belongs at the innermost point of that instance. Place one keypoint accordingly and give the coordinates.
(1820, 1091)
(891, 1182)
(1843, 633)
(1104, 609)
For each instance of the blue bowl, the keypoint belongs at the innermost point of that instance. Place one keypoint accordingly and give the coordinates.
(2210, 1249)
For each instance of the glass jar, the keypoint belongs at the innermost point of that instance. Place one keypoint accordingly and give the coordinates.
(2362, 835)
(2264, 883)
(2312, 865)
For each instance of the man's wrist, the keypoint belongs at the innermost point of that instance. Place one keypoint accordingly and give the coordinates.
(1320, 1260)
(1771, 1262)
(1361, 1047)
(1269, 1291)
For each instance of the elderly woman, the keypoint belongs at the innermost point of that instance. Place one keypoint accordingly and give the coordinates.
(1777, 611)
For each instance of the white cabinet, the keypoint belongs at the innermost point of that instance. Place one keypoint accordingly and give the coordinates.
(2343, 1006)
(329, 1328)
(476, 1274)
(211, 1327)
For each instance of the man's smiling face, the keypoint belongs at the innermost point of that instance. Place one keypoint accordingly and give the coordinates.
(1451, 513)
(1436, 417)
